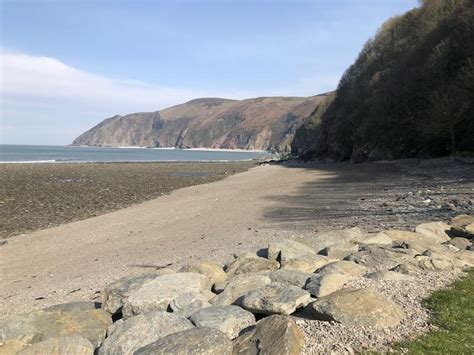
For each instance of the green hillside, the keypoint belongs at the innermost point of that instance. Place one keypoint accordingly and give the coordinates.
(409, 93)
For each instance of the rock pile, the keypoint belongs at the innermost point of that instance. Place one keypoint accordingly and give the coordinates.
(253, 304)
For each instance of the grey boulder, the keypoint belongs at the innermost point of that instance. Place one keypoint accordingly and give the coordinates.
(157, 294)
(272, 335)
(73, 344)
(324, 284)
(231, 320)
(136, 332)
(238, 286)
(276, 299)
(198, 341)
(359, 307)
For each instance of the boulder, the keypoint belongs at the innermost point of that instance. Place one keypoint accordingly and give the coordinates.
(74, 306)
(231, 320)
(436, 231)
(389, 276)
(238, 287)
(276, 299)
(157, 294)
(116, 292)
(435, 262)
(322, 285)
(322, 240)
(287, 250)
(343, 267)
(412, 237)
(196, 341)
(139, 331)
(272, 335)
(20, 330)
(340, 250)
(188, 303)
(290, 277)
(307, 263)
(73, 344)
(358, 307)
(377, 239)
(379, 257)
(460, 243)
(250, 264)
(462, 226)
(212, 270)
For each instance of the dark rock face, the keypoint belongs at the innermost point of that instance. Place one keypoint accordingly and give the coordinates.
(267, 123)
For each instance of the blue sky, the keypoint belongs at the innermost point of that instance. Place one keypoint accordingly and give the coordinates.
(68, 64)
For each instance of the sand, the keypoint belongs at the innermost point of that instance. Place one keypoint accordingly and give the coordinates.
(240, 213)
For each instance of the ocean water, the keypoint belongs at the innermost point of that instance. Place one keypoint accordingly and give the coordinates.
(57, 154)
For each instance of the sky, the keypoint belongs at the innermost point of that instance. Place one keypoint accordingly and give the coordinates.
(68, 64)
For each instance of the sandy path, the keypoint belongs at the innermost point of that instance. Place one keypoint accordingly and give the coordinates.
(74, 261)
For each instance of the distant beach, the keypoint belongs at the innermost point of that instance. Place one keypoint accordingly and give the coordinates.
(38, 196)
(80, 154)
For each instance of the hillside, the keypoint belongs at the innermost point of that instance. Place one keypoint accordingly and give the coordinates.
(409, 93)
(266, 123)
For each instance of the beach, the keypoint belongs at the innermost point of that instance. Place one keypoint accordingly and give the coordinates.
(44, 195)
(241, 213)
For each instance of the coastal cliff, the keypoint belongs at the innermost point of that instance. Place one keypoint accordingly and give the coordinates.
(266, 123)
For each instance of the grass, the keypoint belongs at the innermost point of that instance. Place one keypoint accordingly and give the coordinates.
(453, 314)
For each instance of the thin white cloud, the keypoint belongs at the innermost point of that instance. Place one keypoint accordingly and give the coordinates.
(48, 78)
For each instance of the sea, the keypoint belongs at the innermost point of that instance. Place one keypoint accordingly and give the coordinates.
(73, 154)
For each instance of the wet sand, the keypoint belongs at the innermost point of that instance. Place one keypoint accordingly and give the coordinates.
(39, 196)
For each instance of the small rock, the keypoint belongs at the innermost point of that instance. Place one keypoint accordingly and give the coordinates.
(230, 320)
(272, 335)
(199, 341)
(276, 299)
(389, 276)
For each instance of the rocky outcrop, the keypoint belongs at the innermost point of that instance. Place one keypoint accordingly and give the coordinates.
(176, 312)
(266, 123)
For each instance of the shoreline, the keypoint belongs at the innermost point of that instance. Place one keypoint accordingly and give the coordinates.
(43, 195)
